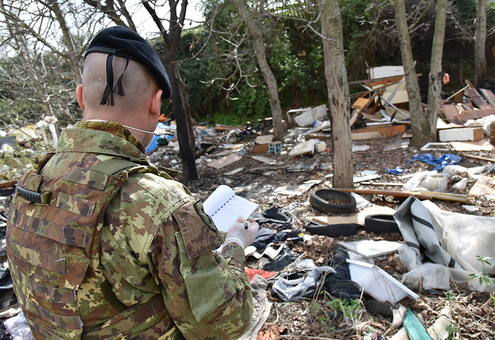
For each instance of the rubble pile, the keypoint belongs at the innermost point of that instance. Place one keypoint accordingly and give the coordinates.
(405, 254)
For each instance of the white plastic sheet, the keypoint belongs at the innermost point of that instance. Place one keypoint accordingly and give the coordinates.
(445, 237)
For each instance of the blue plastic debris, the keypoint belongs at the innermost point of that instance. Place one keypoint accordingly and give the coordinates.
(395, 171)
(439, 163)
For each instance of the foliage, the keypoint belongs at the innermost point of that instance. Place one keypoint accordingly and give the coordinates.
(450, 295)
(350, 308)
(482, 275)
(452, 331)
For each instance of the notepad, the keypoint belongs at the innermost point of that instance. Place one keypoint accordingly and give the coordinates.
(225, 207)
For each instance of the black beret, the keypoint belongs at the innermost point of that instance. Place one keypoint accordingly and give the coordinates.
(118, 38)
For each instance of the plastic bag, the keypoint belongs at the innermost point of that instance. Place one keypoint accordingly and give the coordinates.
(18, 328)
(435, 276)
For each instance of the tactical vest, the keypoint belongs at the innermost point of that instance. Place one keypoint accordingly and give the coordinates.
(53, 244)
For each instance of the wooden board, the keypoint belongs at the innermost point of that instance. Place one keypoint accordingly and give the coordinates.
(464, 116)
(477, 99)
(451, 113)
(489, 96)
(220, 163)
(482, 145)
(485, 185)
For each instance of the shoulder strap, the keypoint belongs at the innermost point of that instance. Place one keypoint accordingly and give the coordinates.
(114, 166)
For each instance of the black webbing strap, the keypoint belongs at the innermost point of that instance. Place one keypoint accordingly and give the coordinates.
(33, 196)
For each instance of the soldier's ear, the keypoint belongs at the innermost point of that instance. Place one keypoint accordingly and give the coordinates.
(79, 95)
(156, 104)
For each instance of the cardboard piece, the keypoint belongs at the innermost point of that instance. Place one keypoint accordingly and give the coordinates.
(356, 218)
(370, 248)
(224, 161)
(264, 139)
(459, 135)
(377, 283)
(265, 160)
(366, 135)
(261, 148)
(482, 145)
(396, 146)
(389, 131)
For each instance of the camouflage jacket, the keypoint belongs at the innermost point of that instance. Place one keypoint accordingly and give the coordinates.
(155, 241)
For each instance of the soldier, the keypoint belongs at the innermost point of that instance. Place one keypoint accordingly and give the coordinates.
(104, 245)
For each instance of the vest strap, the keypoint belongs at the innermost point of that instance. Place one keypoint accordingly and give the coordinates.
(114, 166)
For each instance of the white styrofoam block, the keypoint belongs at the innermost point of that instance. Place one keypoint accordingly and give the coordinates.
(460, 135)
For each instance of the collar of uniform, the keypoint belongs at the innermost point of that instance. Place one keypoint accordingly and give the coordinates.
(89, 140)
(114, 128)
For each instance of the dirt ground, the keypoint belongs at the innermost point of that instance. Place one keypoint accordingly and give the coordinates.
(473, 313)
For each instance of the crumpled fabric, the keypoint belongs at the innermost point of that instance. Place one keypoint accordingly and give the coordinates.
(292, 290)
(261, 308)
(394, 171)
(274, 217)
(439, 163)
(340, 284)
(266, 236)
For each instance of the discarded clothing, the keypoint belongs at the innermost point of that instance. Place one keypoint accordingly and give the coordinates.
(340, 284)
(261, 308)
(274, 217)
(251, 273)
(439, 163)
(292, 290)
(281, 262)
(266, 236)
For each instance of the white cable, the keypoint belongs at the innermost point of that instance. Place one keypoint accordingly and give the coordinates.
(129, 127)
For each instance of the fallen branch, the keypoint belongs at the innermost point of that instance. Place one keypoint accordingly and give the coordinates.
(480, 158)
(423, 195)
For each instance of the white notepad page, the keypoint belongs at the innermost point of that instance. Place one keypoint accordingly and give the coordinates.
(224, 207)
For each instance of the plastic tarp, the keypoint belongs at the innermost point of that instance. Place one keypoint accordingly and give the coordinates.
(447, 239)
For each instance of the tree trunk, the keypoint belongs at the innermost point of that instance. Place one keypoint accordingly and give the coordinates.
(255, 27)
(182, 114)
(435, 79)
(338, 94)
(420, 124)
(187, 155)
(479, 46)
(67, 38)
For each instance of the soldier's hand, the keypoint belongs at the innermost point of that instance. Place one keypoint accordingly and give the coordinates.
(242, 232)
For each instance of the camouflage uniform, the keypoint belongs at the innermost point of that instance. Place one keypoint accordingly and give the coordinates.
(150, 272)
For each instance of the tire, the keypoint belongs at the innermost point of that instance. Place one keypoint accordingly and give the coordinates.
(380, 224)
(331, 230)
(319, 199)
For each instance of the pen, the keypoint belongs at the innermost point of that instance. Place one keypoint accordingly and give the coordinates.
(246, 223)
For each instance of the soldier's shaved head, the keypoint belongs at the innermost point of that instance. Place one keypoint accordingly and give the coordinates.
(137, 82)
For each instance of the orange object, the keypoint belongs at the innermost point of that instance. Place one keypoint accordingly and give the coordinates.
(263, 273)
(446, 78)
(162, 118)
